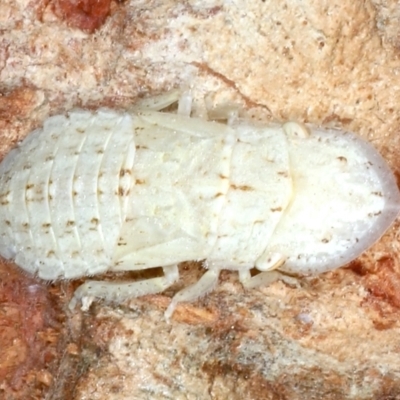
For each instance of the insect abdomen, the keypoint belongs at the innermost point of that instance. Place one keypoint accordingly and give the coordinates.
(61, 194)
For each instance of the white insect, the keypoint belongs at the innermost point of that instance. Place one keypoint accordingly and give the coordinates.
(115, 191)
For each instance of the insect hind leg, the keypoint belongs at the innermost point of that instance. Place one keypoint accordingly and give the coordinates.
(120, 291)
(203, 286)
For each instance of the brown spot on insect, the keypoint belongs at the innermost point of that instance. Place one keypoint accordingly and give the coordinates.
(123, 191)
(342, 159)
(374, 214)
(245, 188)
(276, 209)
(70, 223)
(124, 172)
(38, 189)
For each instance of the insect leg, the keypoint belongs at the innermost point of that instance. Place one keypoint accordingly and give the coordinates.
(204, 285)
(120, 291)
(268, 264)
(185, 104)
(225, 112)
(264, 278)
(295, 129)
(164, 100)
(158, 102)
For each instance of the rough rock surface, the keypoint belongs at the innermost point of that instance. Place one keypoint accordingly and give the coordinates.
(333, 63)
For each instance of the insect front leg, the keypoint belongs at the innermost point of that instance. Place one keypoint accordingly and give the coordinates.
(268, 265)
(120, 291)
(264, 279)
(164, 100)
(158, 102)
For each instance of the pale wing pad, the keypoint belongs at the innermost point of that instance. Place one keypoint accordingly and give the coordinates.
(260, 189)
(181, 177)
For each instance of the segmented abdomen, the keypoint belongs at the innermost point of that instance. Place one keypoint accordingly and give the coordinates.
(63, 194)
